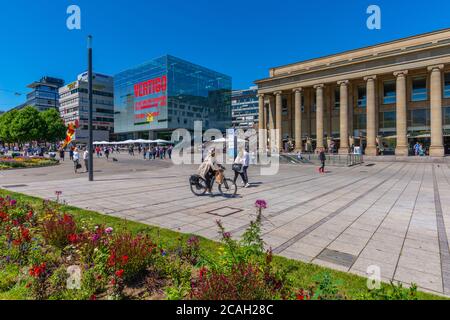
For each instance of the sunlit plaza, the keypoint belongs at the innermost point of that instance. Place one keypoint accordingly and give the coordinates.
(392, 215)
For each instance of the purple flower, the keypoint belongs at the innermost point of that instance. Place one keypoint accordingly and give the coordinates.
(261, 204)
(163, 253)
(227, 235)
(95, 237)
(108, 230)
(58, 193)
(13, 202)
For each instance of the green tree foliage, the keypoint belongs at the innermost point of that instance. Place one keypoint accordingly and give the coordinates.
(27, 125)
(55, 127)
(5, 126)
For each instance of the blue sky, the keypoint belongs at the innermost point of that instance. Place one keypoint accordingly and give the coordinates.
(242, 38)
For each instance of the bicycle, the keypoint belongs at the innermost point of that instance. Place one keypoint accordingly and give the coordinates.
(226, 187)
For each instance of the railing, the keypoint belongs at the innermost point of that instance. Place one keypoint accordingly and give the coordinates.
(338, 160)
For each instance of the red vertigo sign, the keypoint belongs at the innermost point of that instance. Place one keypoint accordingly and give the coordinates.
(152, 86)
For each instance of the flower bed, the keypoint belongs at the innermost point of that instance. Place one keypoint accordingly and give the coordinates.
(50, 251)
(7, 162)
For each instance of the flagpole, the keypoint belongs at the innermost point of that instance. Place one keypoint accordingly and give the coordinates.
(91, 138)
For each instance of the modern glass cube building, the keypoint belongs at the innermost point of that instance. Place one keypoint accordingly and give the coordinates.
(167, 93)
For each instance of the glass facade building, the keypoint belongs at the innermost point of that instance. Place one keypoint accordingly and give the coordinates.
(44, 95)
(167, 93)
(245, 108)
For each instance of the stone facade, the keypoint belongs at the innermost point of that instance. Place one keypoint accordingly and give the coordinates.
(344, 96)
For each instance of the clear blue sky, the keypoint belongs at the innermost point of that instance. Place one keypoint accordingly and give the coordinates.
(242, 38)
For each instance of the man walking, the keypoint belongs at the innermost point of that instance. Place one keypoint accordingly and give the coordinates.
(322, 159)
(76, 160)
(86, 159)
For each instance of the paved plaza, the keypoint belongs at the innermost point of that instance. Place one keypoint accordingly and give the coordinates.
(395, 215)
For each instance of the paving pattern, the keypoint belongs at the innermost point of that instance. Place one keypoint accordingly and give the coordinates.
(394, 215)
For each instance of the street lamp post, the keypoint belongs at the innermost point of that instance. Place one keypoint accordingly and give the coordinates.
(91, 138)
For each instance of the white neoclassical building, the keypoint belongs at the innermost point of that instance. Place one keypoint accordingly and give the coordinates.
(391, 95)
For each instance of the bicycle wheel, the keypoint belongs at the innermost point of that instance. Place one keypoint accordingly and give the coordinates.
(228, 188)
(198, 185)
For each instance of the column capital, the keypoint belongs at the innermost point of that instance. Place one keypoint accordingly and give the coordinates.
(319, 86)
(401, 73)
(343, 83)
(374, 77)
(260, 95)
(297, 89)
(436, 67)
(278, 93)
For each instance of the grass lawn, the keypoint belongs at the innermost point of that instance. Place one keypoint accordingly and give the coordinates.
(302, 274)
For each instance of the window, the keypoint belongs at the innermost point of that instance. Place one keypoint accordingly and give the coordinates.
(359, 121)
(389, 92)
(284, 106)
(419, 118)
(388, 119)
(419, 89)
(446, 115)
(337, 98)
(362, 97)
(447, 85)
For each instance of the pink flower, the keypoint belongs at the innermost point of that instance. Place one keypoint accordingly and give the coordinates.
(108, 230)
(261, 204)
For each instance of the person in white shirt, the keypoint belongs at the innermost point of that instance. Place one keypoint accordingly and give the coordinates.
(86, 159)
(76, 159)
(243, 160)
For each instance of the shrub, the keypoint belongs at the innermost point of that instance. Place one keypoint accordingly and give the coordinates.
(244, 270)
(58, 229)
(392, 292)
(244, 282)
(132, 254)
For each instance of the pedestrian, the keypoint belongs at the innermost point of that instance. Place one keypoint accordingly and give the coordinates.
(61, 154)
(71, 153)
(86, 159)
(76, 160)
(240, 167)
(417, 148)
(169, 152)
(107, 153)
(322, 159)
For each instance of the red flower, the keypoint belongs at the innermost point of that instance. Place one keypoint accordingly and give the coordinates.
(30, 215)
(93, 297)
(112, 260)
(25, 234)
(124, 259)
(73, 238)
(119, 273)
(37, 271)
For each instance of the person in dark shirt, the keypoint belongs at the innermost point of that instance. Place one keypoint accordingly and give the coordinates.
(322, 159)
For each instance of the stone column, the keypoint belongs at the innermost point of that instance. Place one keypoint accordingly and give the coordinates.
(343, 110)
(262, 124)
(271, 112)
(278, 118)
(402, 132)
(371, 135)
(298, 119)
(437, 142)
(319, 115)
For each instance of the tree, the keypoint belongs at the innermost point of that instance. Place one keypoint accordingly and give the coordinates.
(55, 127)
(27, 125)
(5, 126)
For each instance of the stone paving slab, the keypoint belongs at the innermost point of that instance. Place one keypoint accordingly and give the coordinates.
(395, 215)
